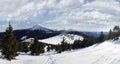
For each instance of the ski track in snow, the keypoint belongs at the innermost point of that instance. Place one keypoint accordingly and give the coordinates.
(50, 60)
(107, 57)
(104, 57)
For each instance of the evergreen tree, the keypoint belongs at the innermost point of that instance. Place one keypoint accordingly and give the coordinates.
(37, 47)
(58, 48)
(110, 35)
(116, 29)
(24, 47)
(10, 44)
(48, 48)
(87, 41)
(77, 44)
(64, 45)
(69, 46)
(101, 37)
(0, 44)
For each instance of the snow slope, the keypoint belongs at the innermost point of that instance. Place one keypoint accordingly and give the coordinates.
(107, 52)
(57, 39)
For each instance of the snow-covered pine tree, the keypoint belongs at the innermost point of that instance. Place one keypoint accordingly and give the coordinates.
(10, 44)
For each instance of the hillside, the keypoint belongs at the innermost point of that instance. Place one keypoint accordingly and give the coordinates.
(107, 52)
(70, 38)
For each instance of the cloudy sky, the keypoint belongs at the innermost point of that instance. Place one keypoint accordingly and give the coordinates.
(85, 15)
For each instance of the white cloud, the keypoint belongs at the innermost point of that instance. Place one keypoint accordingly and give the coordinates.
(100, 15)
(64, 14)
(22, 10)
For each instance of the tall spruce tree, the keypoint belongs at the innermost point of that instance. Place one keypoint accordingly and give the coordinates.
(116, 29)
(64, 46)
(10, 44)
(77, 44)
(24, 47)
(110, 35)
(0, 44)
(37, 47)
(59, 48)
(101, 37)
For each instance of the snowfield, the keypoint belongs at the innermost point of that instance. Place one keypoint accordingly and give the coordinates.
(70, 38)
(107, 52)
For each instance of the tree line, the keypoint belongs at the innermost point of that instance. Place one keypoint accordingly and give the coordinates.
(10, 47)
(112, 34)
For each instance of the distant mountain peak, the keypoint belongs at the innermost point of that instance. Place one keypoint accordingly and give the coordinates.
(39, 27)
(36, 27)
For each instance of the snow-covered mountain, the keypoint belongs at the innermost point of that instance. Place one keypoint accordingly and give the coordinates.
(70, 38)
(35, 31)
(43, 32)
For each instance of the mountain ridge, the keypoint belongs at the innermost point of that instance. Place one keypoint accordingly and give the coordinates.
(43, 33)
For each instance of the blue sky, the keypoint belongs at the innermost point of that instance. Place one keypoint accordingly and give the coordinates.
(82, 15)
